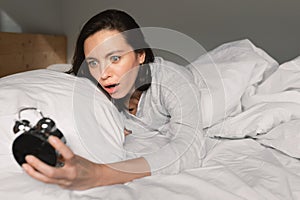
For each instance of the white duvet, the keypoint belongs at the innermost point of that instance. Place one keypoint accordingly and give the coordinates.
(253, 152)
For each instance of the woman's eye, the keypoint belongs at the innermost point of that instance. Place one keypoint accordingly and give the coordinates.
(115, 59)
(92, 63)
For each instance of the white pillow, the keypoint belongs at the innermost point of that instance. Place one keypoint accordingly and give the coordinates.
(90, 122)
(224, 74)
(60, 67)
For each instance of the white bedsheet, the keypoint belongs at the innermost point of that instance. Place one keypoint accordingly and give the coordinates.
(233, 169)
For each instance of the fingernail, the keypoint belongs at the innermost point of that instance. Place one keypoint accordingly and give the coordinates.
(25, 167)
(52, 139)
(28, 158)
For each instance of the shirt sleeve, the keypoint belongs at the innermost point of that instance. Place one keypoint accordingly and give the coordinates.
(186, 147)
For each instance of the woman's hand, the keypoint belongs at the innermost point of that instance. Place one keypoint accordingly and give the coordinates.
(77, 173)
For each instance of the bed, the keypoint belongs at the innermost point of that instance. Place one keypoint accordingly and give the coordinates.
(252, 141)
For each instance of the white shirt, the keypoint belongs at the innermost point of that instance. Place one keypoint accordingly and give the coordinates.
(167, 128)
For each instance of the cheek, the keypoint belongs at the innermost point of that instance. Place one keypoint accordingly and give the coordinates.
(129, 76)
(129, 69)
(95, 74)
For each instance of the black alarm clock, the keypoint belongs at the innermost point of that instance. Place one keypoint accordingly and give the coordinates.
(33, 140)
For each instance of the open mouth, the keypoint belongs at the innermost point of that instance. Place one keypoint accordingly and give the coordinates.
(111, 88)
(112, 85)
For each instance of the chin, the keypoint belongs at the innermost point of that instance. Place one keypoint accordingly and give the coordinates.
(117, 96)
(121, 93)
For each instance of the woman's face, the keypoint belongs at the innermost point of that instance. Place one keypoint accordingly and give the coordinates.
(112, 62)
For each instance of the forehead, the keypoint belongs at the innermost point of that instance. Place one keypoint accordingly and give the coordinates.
(105, 41)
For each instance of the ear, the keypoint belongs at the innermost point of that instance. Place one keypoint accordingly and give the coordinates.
(142, 57)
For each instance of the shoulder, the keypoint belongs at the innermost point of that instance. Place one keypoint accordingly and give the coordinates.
(170, 81)
(167, 72)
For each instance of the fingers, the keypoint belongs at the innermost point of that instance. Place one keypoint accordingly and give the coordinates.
(40, 168)
(33, 173)
(41, 171)
(65, 151)
(37, 175)
(41, 177)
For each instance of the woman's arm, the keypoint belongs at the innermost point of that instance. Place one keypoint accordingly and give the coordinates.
(79, 173)
(178, 98)
(124, 171)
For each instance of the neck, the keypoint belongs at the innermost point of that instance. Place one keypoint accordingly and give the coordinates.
(131, 103)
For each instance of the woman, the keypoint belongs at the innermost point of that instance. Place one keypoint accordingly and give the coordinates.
(154, 96)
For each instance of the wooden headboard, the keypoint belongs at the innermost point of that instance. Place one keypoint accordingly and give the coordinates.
(23, 52)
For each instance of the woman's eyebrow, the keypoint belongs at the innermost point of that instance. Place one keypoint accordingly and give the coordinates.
(107, 55)
(91, 58)
(113, 52)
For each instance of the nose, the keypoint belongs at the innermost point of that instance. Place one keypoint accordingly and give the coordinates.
(106, 73)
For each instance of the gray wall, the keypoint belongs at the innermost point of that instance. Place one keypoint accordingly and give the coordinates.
(31, 16)
(273, 25)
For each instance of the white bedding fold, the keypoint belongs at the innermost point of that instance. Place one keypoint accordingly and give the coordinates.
(273, 103)
(225, 73)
